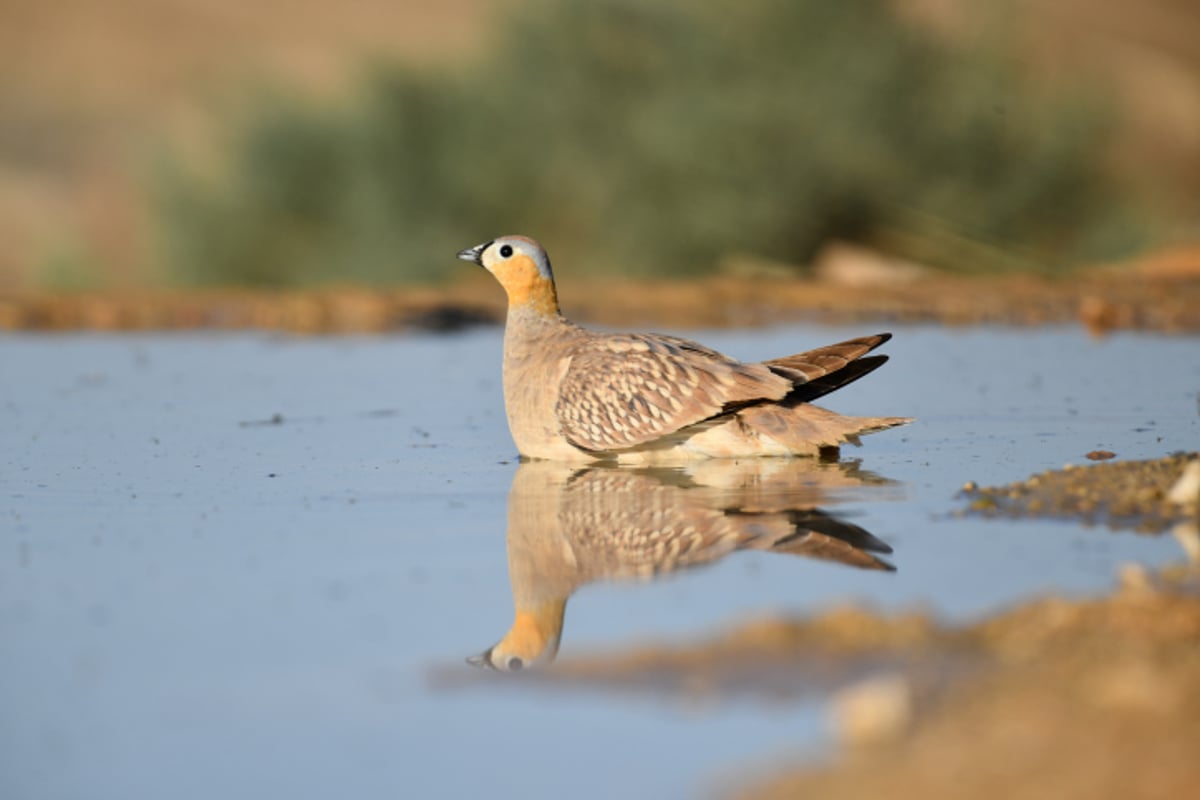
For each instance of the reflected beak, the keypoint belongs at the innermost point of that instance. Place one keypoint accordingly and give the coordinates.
(483, 660)
(474, 254)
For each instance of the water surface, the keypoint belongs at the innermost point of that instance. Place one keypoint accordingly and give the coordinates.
(229, 564)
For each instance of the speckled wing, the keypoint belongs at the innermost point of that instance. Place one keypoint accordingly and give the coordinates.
(625, 390)
(623, 524)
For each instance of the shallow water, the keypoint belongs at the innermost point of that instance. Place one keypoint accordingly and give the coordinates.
(234, 565)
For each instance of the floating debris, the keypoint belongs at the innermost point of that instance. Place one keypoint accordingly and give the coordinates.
(274, 419)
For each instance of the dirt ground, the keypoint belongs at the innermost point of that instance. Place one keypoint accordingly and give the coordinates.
(1160, 293)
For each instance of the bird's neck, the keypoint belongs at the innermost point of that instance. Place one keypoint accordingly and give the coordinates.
(536, 630)
(535, 296)
(533, 321)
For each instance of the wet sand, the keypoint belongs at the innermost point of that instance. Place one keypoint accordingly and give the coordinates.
(1095, 699)
(1056, 698)
(1120, 494)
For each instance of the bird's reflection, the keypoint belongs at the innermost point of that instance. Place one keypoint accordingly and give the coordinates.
(568, 527)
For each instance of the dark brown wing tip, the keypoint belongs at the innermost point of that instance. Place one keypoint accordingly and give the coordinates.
(860, 367)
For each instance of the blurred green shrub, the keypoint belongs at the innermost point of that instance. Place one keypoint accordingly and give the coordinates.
(655, 137)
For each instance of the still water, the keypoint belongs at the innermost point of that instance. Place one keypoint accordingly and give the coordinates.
(242, 565)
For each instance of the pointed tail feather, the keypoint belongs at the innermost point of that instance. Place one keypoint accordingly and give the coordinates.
(804, 429)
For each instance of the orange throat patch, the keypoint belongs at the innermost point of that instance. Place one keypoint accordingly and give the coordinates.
(526, 286)
(534, 631)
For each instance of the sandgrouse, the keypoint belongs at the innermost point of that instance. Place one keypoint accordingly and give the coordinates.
(583, 396)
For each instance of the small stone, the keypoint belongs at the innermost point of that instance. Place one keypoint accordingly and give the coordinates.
(1186, 491)
(872, 711)
(1133, 577)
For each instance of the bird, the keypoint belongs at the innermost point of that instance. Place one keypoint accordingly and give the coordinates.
(570, 525)
(577, 395)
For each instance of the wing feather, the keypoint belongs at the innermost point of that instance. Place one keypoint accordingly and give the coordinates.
(625, 390)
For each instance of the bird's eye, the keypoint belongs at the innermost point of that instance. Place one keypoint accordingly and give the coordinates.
(514, 664)
(505, 252)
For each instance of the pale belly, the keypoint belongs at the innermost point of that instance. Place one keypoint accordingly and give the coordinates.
(726, 439)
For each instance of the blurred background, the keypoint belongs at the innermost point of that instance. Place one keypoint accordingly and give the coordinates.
(295, 142)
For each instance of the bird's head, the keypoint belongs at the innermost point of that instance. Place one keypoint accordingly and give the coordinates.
(522, 268)
(531, 642)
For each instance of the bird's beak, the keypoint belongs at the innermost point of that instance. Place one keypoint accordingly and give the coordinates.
(482, 660)
(474, 254)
